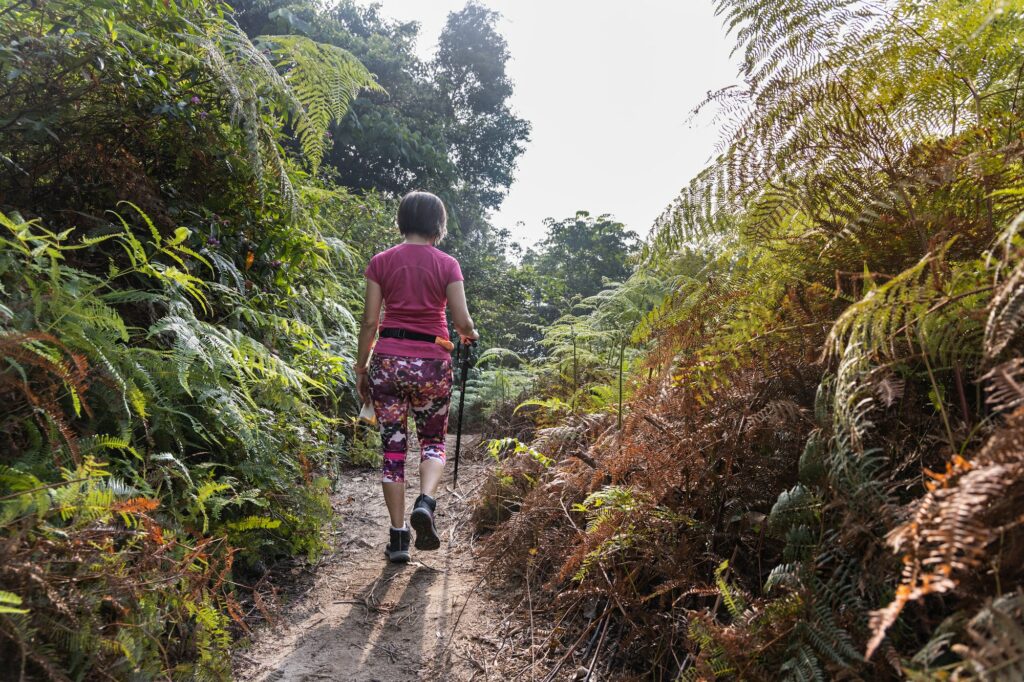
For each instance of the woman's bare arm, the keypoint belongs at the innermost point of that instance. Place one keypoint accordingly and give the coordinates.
(460, 311)
(371, 320)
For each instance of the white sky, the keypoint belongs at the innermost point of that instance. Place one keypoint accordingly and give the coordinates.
(608, 87)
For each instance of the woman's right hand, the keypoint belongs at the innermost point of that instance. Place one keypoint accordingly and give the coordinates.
(363, 387)
(470, 338)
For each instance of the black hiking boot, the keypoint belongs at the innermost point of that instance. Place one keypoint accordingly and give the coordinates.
(397, 550)
(422, 521)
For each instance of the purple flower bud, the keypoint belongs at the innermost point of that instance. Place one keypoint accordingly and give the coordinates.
(195, 99)
(212, 241)
(275, 264)
(203, 114)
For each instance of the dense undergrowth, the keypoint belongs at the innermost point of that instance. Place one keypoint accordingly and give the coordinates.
(175, 334)
(789, 447)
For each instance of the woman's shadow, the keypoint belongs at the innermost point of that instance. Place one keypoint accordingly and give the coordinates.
(380, 639)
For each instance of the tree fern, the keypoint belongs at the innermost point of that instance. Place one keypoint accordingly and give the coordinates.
(324, 79)
(318, 83)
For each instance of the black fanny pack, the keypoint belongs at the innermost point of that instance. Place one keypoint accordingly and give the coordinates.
(396, 333)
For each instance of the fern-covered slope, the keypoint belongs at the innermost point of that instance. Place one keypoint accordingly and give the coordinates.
(176, 335)
(817, 475)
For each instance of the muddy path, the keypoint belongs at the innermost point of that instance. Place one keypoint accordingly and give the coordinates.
(363, 619)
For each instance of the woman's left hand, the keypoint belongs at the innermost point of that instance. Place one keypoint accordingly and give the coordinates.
(363, 388)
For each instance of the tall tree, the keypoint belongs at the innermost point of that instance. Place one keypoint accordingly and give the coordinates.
(579, 255)
(445, 126)
(485, 137)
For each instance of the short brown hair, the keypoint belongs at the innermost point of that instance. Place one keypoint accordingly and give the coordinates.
(423, 214)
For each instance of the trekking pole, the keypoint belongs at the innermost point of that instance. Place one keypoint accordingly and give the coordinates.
(463, 359)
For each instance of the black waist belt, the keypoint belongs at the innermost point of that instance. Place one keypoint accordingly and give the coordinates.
(396, 333)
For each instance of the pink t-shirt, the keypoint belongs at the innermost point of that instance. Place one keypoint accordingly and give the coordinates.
(414, 279)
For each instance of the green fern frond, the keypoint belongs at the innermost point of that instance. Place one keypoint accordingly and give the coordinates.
(10, 603)
(254, 523)
(325, 79)
(731, 597)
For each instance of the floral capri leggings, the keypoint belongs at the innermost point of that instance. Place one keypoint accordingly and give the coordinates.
(397, 383)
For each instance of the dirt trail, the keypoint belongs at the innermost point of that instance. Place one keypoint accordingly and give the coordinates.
(363, 619)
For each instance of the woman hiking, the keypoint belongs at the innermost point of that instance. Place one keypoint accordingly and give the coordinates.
(411, 364)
